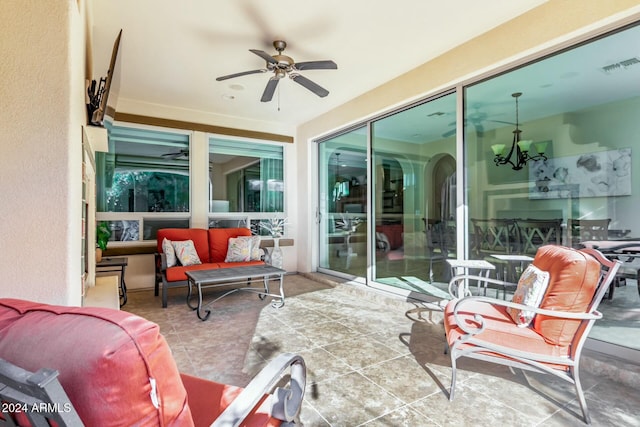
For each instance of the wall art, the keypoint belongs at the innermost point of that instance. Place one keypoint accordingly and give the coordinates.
(601, 174)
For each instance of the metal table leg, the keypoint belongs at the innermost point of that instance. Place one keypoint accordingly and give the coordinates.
(123, 289)
(278, 303)
(198, 308)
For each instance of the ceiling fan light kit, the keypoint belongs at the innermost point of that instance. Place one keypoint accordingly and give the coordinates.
(281, 66)
(520, 148)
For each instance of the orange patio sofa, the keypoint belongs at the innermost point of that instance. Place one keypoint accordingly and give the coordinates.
(211, 246)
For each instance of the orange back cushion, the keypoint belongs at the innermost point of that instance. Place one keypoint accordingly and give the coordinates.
(105, 357)
(219, 241)
(573, 281)
(198, 235)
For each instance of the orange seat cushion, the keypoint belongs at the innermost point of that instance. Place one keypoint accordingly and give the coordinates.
(573, 278)
(208, 399)
(500, 329)
(178, 273)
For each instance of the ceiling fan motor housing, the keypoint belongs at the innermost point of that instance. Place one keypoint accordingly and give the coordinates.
(284, 61)
(280, 45)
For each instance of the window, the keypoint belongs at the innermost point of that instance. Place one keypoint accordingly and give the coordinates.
(144, 171)
(142, 183)
(245, 176)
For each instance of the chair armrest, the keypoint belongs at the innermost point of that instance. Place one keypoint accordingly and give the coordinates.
(455, 283)
(594, 315)
(285, 402)
(29, 393)
(161, 261)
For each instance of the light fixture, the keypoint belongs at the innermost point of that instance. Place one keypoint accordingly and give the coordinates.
(519, 148)
(337, 164)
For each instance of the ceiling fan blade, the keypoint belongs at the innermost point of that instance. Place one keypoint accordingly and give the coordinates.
(316, 65)
(449, 133)
(502, 121)
(244, 73)
(267, 95)
(313, 87)
(264, 55)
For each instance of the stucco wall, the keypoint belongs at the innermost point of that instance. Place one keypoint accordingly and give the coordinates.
(42, 112)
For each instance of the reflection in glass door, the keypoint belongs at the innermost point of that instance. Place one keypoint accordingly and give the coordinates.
(343, 203)
(590, 171)
(414, 197)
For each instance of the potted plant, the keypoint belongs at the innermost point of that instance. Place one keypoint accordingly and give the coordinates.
(103, 233)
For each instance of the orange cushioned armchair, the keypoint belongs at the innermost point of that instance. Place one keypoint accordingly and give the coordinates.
(551, 334)
(117, 370)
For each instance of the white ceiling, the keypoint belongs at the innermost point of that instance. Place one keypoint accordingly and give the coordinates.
(171, 52)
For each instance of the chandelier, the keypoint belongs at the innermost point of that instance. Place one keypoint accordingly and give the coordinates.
(519, 153)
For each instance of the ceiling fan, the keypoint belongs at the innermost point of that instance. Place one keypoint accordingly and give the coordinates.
(182, 154)
(475, 118)
(282, 65)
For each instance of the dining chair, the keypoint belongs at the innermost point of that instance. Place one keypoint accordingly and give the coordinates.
(496, 237)
(538, 232)
(423, 246)
(417, 247)
(444, 237)
(580, 230)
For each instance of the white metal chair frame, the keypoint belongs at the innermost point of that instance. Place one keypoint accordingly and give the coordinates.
(517, 358)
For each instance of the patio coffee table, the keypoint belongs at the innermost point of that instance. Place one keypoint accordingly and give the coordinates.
(203, 279)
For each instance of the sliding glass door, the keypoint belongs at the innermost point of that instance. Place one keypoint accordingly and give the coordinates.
(410, 199)
(343, 203)
(549, 149)
(414, 196)
(559, 147)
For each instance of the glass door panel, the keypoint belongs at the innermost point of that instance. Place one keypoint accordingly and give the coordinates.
(574, 161)
(343, 203)
(414, 196)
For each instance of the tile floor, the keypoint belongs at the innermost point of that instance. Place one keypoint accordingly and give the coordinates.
(375, 360)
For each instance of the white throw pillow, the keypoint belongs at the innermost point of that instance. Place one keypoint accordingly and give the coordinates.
(169, 252)
(530, 291)
(239, 249)
(256, 252)
(186, 252)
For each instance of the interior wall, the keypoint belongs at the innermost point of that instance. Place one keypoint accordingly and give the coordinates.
(554, 23)
(586, 131)
(130, 106)
(597, 125)
(43, 71)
